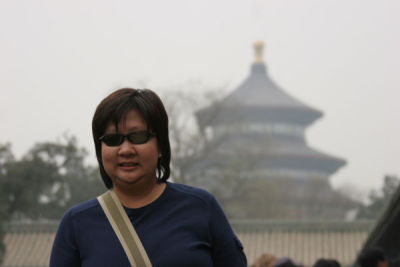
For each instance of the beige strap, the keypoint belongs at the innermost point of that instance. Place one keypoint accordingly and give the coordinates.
(124, 230)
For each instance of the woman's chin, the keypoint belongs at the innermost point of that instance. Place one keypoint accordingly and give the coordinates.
(129, 181)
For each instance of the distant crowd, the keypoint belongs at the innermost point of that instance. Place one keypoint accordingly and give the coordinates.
(370, 257)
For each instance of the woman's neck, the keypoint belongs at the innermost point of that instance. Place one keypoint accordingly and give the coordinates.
(137, 196)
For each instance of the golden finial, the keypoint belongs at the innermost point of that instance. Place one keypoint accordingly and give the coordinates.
(258, 51)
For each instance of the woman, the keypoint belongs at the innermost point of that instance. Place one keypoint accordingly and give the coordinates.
(178, 225)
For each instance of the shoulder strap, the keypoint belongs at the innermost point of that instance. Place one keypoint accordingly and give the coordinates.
(124, 230)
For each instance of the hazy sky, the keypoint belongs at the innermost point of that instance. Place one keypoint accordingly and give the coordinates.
(60, 58)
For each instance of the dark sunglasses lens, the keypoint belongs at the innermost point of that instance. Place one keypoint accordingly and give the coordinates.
(138, 137)
(113, 139)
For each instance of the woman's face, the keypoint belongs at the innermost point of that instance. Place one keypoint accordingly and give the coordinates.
(128, 163)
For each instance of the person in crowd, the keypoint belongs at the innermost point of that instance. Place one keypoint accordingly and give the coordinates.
(286, 262)
(176, 224)
(265, 260)
(372, 257)
(326, 263)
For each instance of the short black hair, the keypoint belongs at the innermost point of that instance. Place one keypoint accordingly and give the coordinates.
(326, 263)
(115, 106)
(370, 257)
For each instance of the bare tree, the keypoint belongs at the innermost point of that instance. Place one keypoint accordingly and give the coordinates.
(189, 144)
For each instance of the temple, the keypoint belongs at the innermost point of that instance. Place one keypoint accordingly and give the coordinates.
(261, 127)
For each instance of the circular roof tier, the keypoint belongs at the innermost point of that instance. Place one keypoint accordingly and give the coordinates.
(273, 152)
(258, 98)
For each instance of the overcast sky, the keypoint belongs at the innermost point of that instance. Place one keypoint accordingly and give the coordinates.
(58, 59)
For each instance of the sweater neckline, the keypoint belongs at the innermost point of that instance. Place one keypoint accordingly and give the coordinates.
(136, 211)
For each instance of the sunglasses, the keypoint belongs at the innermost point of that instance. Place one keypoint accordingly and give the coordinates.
(116, 139)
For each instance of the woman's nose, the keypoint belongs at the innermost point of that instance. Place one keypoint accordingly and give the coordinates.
(127, 148)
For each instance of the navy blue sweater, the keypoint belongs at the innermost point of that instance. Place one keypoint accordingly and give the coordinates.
(185, 226)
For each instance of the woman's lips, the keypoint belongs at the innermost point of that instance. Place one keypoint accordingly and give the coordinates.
(127, 166)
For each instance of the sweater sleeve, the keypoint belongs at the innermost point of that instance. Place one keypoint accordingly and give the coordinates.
(227, 249)
(65, 252)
